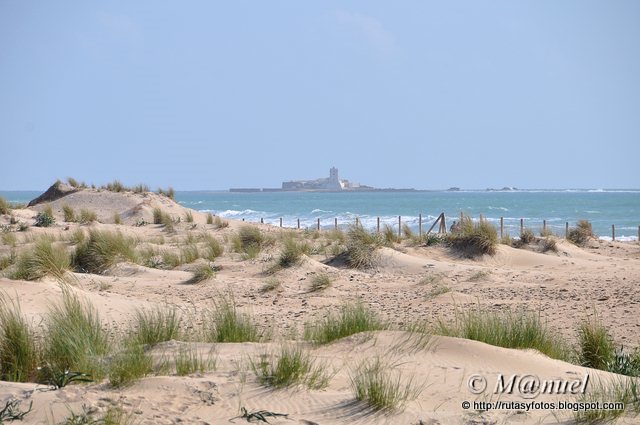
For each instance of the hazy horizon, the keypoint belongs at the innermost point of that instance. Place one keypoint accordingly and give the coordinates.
(424, 95)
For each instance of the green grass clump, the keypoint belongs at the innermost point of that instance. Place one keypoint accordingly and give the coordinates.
(9, 239)
(117, 219)
(219, 223)
(389, 235)
(87, 216)
(361, 248)
(5, 208)
(169, 193)
(226, 324)
(170, 259)
(140, 188)
(473, 239)
(188, 217)
(43, 259)
(292, 365)
(508, 329)
(580, 234)
(157, 216)
(189, 254)
(407, 232)
(320, 282)
(213, 248)
(249, 240)
(271, 284)
(69, 213)
(103, 249)
(7, 260)
(188, 361)
(622, 390)
(596, 348)
(129, 365)
(291, 253)
(75, 339)
(381, 387)
(201, 273)
(18, 352)
(209, 218)
(115, 186)
(156, 325)
(352, 319)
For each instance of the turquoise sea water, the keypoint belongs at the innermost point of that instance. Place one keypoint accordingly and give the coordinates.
(602, 207)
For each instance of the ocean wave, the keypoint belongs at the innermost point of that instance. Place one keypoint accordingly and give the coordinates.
(621, 238)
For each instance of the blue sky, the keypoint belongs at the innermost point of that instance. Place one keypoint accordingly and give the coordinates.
(424, 94)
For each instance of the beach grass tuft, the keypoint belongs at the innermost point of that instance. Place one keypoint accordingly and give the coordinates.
(42, 259)
(224, 323)
(75, 339)
(290, 365)
(103, 249)
(580, 234)
(320, 282)
(18, 352)
(202, 273)
(129, 365)
(381, 386)
(596, 348)
(68, 213)
(352, 319)
(5, 208)
(157, 325)
(507, 329)
(188, 361)
(473, 239)
(361, 247)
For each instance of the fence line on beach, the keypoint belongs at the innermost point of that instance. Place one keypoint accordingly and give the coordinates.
(443, 228)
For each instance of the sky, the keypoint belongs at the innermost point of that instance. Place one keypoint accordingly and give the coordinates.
(423, 94)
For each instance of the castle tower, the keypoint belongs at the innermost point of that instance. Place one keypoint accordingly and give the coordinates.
(333, 175)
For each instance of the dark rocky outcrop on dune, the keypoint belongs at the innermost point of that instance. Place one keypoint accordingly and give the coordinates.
(56, 191)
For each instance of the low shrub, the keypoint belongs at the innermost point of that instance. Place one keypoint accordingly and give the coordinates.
(45, 219)
(320, 282)
(580, 234)
(87, 216)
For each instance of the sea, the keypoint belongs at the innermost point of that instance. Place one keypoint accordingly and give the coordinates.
(602, 207)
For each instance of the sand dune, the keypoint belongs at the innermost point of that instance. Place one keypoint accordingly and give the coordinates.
(409, 285)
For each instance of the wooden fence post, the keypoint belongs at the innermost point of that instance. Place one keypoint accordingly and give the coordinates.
(336, 223)
(318, 224)
(420, 225)
(481, 218)
(544, 227)
(378, 224)
(399, 226)
(566, 230)
(357, 222)
(261, 220)
(298, 223)
(521, 226)
(613, 232)
(501, 227)
(461, 216)
(280, 221)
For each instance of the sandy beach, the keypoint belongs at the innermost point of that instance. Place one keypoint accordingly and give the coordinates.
(411, 286)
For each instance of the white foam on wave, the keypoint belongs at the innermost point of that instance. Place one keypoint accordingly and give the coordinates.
(621, 238)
